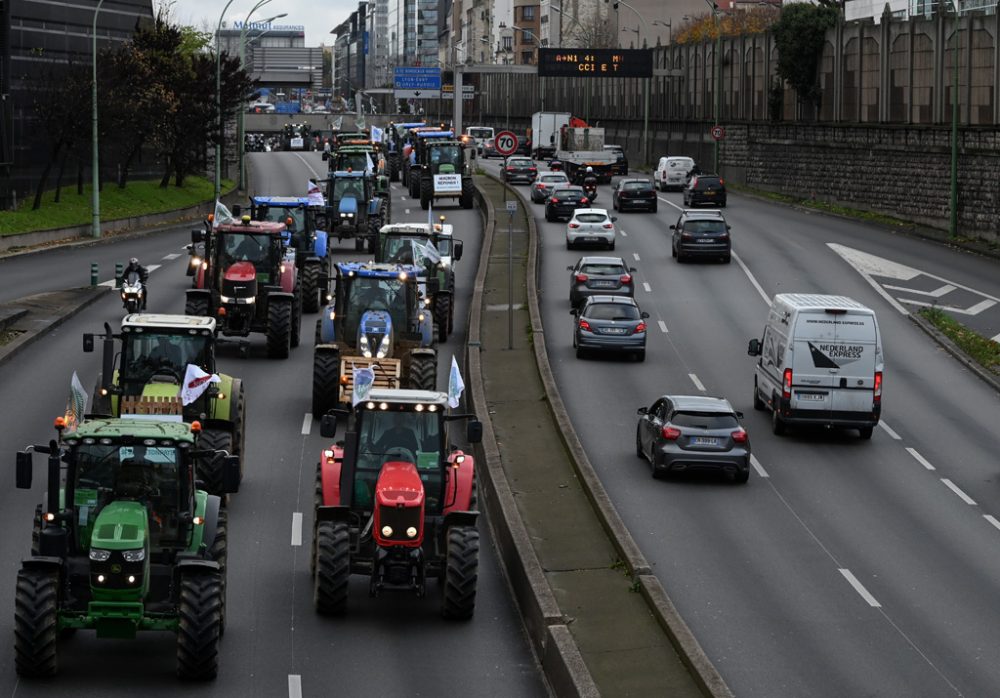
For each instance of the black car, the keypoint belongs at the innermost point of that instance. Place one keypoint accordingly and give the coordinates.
(685, 433)
(633, 194)
(620, 168)
(703, 234)
(610, 324)
(518, 169)
(606, 276)
(565, 200)
(705, 189)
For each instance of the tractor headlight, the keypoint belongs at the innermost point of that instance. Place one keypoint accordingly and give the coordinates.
(411, 532)
(195, 261)
(98, 555)
(386, 531)
(383, 348)
(134, 555)
(366, 350)
(421, 317)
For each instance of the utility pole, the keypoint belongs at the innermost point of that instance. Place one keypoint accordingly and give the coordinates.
(953, 222)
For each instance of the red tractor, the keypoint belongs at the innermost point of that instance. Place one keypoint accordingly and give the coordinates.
(395, 502)
(249, 283)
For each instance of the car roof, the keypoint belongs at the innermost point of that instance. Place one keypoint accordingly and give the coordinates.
(601, 260)
(700, 403)
(569, 187)
(590, 210)
(635, 179)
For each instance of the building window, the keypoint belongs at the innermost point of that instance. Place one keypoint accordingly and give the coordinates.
(527, 56)
(508, 43)
(528, 12)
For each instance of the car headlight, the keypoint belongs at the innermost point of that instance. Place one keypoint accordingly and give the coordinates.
(134, 555)
(383, 348)
(98, 555)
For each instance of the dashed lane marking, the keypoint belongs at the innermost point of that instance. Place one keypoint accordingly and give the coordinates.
(297, 528)
(920, 459)
(957, 490)
(663, 327)
(646, 288)
(890, 431)
(636, 255)
(697, 383)
(172, 256)
(992, 519)
(307, 423)
(406, 211)
(860, 588)
(152, 267)
(668, 201)
(753, 279)
(757, 466)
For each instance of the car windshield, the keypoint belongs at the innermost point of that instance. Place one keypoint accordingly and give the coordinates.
(370, 293)
(344, 187)
(612, 311)
(705, 420)
(146, 353)
(568, 193)
(705, 227)
(520, 163)
(280, 214)
(602, 269)
(246, 247)
(402, 435)
(638, 186)
(591, 217)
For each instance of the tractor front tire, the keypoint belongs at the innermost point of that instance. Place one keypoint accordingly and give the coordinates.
(423, 373)
(218, 552)
(310, 288)
(210, 467)
(279, 329)
(326, 382)
(425, 197)
(296, 329)
(333, 567)
(36, 624)
(196, 306)
(442, 316)
(200, 626)
(466, 200)
(461, 573)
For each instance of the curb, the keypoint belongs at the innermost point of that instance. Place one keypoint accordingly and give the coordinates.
(680, 635)
(934, 333)
(11, 349)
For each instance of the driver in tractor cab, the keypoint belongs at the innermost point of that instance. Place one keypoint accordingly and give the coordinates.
(397, 434)
(136, 480)
(403, 254)
(352, 189)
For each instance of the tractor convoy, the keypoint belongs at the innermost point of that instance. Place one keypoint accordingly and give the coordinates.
(131, 533)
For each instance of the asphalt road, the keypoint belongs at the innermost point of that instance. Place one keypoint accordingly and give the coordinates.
(844, 567)
(275, 645)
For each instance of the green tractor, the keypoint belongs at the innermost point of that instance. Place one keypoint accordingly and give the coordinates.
(358, 207)
(378, 320)
(431, 247)
(153, 357)
(443, 171)
(297, 137)
(125, 541)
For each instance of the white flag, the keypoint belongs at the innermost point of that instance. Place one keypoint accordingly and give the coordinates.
(364, 379)
(314, 194)
(377, 134)
(430, 213)
(429, 251)
(77, 404)
(222, 215)
(455, 384)
(369, 165)
(195, 383)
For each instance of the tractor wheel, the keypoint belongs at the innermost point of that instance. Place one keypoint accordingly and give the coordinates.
(415, 186)
(319, 332)
(240, 428)
(466, 199)
(218, 552)
(425, 198)
(393, 172)
(423, 373)
(279, 329)
(200, 626)
(310, 288)
(442, 315)
(326, 382)
(36, 611)
(461, 573)
(209, 469)
(196, 306)
(317, 503)
(296, 329)
(36, 530)
(374, 223)
(333, 567)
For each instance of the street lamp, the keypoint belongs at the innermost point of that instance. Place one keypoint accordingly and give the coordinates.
(240, 136)
(642, 20)
(670, 29)
(218, 101)
(718, 81)
(95, 195)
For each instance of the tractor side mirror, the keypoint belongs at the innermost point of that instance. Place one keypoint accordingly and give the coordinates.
(88, 343)
(753, 349)
(237, 210)
(328, 426)
(197, 236)
(325, 156)
(22, 473)
(231, 474)
(458, 250)
(474, 431)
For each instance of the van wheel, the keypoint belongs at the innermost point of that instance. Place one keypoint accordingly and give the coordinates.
(758, 404)
(777, 423)
(866, 432)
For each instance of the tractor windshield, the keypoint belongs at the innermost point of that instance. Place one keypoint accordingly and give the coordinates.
(246, 247)
(399, 435)
(370, 293)
(348, 186)
(400, 249)
(281, 214)
(446, 158)
(356, 162)
(148, 354)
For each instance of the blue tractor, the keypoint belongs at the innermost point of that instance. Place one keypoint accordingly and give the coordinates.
(357, 208)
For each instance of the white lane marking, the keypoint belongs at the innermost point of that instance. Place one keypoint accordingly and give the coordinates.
(757, 466)
(866, 264)
(307, 423)
(297, 528)
(996, 338)
(306, 162)
(402, 198)
(152, 267)
(294, 686)
(992, 519)
(663, 327)
(636, 255)
(646, 288)
(172, 256)
(697, 383)
(973, 310)
(624, 234)
(961, 495)
(753, 279)
(406, 211)
(936, 293)
(890, 431)
(920, 459)
(110, 283)
(667, 201)
(859, 587)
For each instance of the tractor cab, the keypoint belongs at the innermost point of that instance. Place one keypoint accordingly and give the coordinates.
(443, 156)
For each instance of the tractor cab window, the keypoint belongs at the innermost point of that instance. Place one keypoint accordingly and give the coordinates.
(446, 158)
(148, 354)
(356, 162)
(281, 215)
(411, 250)
(344, 187)
(369, 293)
(399, 435)
(246, 247)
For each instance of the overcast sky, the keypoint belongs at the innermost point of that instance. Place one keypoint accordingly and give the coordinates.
(318, 17)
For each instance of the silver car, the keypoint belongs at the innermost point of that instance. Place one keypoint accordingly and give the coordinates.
(591, 226)
(682, 433)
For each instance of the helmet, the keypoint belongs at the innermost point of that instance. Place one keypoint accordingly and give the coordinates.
(589, 168)
(133, 261)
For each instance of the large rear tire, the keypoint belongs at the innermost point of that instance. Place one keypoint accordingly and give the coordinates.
(442, 315)
(758, 404)
(310, 288)
(423, 373)
(209, 469)
(200, 626)
(296, 329)
(333, 567)
(279, 329)
(777, 423)
(196, 306)
(36, 613)
(466, 200)
(326, 382)
(461, 573)
(218, 552)
(425, 196)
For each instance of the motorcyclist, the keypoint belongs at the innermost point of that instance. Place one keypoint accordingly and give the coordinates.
(590, 182)
(135, 267)
(555, 164)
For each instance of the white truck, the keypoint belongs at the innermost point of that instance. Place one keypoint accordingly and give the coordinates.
(580, 148)
(545, 127)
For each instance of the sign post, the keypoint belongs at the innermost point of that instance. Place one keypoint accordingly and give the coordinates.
(511, 210)
(505, 143)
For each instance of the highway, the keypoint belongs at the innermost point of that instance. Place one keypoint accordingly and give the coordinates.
(845, 567)
(275, 645)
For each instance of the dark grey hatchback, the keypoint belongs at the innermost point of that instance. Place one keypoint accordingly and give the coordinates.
(610, 324)
(703, 234)
(608, 276)
(683, 433)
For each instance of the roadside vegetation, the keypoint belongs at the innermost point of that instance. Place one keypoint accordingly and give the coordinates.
(981, 349)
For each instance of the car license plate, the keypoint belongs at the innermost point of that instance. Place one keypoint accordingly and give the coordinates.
(604, 284)
(703, 240)
(811, 396)
(710, 193)
(614, 330)
(705, 441)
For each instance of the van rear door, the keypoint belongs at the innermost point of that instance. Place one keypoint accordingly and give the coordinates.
(856, 353)
(812, 372)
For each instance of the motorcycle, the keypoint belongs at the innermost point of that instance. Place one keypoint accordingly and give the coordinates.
(556, 166)
(133, 293)
(591, 191)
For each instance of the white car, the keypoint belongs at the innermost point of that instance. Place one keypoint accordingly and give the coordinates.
(591, 226)
(673, 172)
(261, 108)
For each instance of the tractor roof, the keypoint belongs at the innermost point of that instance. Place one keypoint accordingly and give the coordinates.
(255, 227)
(159, 321)
(435, 134)
(408, 397)
(411, 124)
(416, 229)
(280, 201)
(349, 173)
(380, 270)
(132, 428)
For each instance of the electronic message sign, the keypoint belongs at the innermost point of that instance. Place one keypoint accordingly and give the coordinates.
(595, 63)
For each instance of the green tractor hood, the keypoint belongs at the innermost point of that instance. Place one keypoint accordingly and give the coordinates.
(119, 568)
(121, 525)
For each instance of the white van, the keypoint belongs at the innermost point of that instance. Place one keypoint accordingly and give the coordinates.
(673, 172)
(479, 134)
(820, 363)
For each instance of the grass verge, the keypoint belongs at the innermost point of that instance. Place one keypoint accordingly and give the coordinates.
(825, 206)
(138, 198)
(981, 349)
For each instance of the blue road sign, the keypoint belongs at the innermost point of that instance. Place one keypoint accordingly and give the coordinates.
(416, 78)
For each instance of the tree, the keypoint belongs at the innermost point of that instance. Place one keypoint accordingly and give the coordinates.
(799, 36)
(594, 32)
(702, 27)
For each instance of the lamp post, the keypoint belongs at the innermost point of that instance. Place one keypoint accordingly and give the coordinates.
(240, 135)
(218, 102)
(953, 203)
(95, 195)
(541, 81)
(718, 81)
(645, 84)
(670, 29)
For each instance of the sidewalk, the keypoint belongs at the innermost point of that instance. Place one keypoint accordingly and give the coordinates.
(32, 317)
(584, 592)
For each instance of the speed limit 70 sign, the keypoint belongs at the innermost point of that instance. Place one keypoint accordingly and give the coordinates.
(718, 133)
(505, 142)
